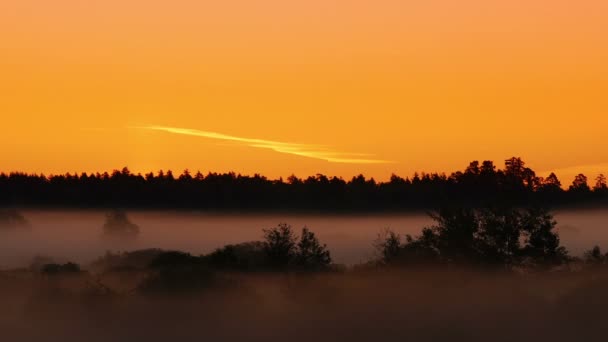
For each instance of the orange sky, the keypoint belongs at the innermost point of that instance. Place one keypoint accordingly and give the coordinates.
(280, 87)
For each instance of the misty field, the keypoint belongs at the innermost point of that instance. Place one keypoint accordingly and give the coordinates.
(450, 305)
(173, 277)
(77, 235)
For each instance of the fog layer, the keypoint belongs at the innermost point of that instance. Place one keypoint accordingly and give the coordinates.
(77, 235)
(446, 305)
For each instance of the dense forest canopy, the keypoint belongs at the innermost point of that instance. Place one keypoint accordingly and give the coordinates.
(481, 183)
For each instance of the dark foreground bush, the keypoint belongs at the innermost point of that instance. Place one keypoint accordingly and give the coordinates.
(247, 256)
(177, 272)
(61, 269)
(595, 257)
(134, 260)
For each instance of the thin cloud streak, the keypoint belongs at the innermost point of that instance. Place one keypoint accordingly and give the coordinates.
(304, 150)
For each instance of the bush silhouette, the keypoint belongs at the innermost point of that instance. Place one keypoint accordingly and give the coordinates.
(595, 256)
(10, 218)
(388, 245)
(134, 260)
(118, 225)
(490, 236)
(61, 269)
(177, 272)
(414, 251)
(247, 256)
(286, 250)
(174, 259)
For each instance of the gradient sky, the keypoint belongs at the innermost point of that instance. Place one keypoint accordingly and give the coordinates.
(280, 87)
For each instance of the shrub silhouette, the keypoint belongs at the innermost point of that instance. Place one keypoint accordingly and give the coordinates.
(118, 225)
(491, 236)
(177, 272)
(134, 260)
(174, 259)
(388, 245)
(284, 251)
(414, 251)
(61, 269)
(247, 256)
(595, 256)
(10, 218)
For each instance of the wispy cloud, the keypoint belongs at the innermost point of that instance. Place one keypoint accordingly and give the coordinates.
(304, 150)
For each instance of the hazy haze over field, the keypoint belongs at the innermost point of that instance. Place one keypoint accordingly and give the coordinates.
(77, 235)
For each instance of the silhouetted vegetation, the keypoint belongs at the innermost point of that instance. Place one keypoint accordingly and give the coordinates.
(284, 250)
(281, 250)
(10, 219)
(269, 289)
(595, 256)
(118, 225)
(58, 269)
(126, 261)
(480, 184)
(178, 272)
(247, 256)
(481, 236)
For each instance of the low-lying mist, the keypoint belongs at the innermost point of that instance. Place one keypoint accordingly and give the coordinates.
(194, 276)
(429, 305)
(78, 235)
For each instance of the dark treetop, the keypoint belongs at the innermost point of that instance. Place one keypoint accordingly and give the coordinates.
(479, 184)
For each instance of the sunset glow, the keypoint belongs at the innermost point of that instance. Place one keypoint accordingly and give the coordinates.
(303, 87)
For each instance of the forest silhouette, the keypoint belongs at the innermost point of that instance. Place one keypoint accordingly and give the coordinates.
(480, 184)
(491, 263)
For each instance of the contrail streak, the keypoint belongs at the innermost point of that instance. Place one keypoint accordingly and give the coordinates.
(304, 150)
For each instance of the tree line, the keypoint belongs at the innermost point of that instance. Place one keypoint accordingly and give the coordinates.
(481, 183)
